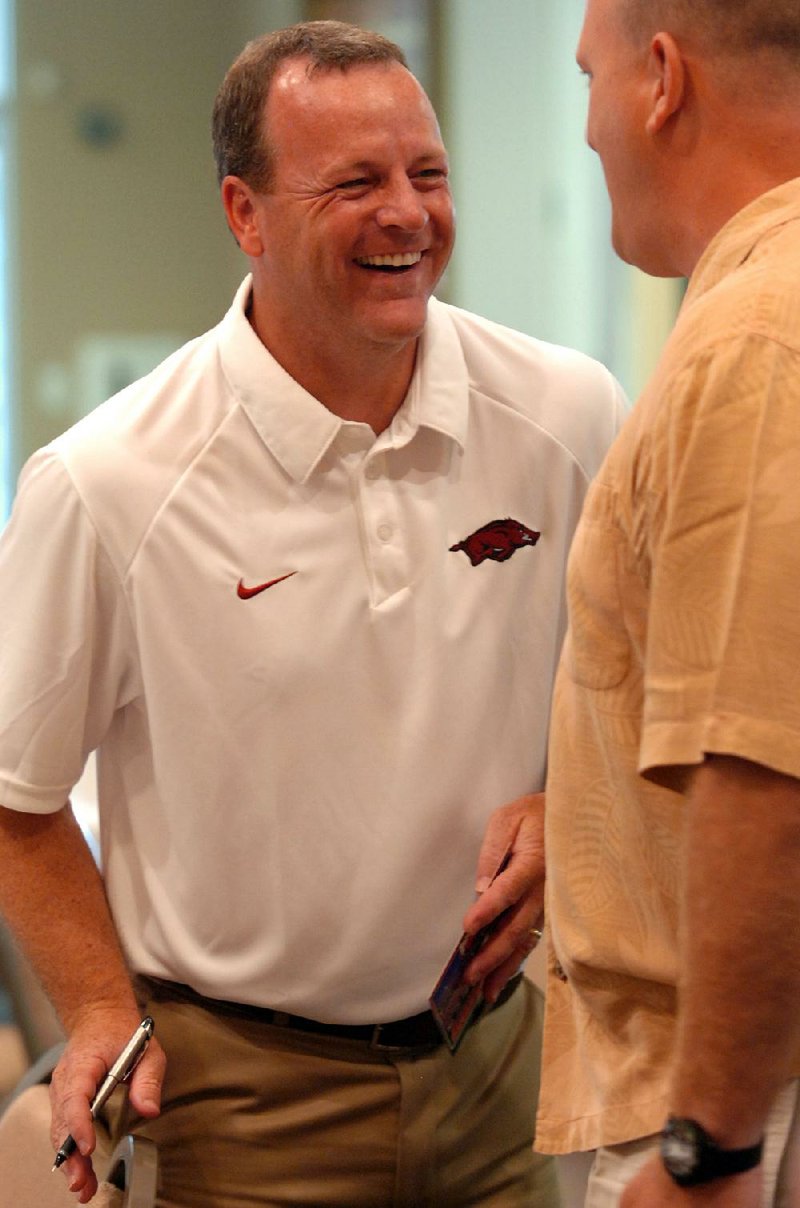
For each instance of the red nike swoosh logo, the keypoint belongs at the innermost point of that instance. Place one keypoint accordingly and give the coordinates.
(247, 593)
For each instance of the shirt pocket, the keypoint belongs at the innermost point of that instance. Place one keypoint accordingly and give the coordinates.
(597, 649)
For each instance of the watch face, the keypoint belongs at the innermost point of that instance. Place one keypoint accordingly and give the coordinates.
(680, 1147)
(690, 1156)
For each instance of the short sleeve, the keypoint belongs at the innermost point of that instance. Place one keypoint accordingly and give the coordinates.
(722, 667)
(66, 649)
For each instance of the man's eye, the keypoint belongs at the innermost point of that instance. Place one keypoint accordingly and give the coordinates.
(430, 176)
(360, 182)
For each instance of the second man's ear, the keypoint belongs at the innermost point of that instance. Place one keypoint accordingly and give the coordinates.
(668, 74)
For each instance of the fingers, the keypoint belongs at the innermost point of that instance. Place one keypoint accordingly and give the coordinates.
(72, 1089)
(497, 840)
(503, 832)
(93, 1048)
(70, 1093)
(81, 1178)
(88, 1191)
(511, 905)
(517, 828)
(512, 939)
(496, 978)
(511, 908)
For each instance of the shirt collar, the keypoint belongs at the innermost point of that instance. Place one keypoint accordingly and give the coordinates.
(735, 241)
(299, 430)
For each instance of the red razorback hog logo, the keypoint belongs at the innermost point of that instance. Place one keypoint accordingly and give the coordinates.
(497, 540)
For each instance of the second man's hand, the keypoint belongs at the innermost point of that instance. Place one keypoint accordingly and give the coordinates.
(652, 1187)
(517, 893)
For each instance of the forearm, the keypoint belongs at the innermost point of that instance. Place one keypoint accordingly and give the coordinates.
(52, 896)
(740, 961)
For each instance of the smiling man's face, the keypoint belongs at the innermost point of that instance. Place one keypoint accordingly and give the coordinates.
(358, 224)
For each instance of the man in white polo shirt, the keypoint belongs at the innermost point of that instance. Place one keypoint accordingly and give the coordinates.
(301, 587)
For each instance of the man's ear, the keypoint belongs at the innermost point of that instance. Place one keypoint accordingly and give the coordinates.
(668, 73)
(239, 203)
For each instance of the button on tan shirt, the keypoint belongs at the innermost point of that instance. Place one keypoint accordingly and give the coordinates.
(684, 597)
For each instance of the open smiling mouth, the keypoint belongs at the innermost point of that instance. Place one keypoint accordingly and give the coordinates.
(399, 263)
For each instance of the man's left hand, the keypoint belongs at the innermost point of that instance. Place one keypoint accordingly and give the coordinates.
(653, 1188)
(518, 891)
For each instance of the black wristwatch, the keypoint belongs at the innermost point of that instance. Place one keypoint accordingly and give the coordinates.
(691, 1157)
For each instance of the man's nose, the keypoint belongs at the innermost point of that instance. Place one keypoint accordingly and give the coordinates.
(402, 206)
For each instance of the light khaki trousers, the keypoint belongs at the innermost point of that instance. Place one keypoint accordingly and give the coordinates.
(616, 1165)
(258, 1115)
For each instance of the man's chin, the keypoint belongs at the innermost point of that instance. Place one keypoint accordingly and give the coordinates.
(397, 322)
(650, 256)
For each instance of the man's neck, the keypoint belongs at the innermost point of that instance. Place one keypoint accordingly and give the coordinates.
(739, 159)
(367, 389)
(366, 384)
(716, 206)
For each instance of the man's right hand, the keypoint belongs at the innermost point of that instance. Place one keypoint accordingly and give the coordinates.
(53, 900)
(96, 1041)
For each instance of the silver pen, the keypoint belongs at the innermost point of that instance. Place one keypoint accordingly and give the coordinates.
(120, 1071)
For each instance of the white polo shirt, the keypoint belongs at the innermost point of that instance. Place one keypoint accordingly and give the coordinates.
(309, 690)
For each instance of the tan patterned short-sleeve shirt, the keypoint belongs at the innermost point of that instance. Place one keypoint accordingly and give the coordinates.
(684, 639)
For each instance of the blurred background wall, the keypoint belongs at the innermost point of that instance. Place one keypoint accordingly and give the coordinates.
(113, 246)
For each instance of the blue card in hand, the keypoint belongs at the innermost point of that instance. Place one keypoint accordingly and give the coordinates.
(454, 1003)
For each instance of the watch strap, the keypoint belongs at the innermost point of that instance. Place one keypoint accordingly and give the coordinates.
(711, 1160)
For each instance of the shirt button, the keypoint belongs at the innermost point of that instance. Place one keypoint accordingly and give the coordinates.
(384, 532)
(559, 972)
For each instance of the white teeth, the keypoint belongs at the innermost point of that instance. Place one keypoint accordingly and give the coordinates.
(397, 261)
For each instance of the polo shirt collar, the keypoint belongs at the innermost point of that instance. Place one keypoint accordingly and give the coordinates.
(735, 241)
(299, 430)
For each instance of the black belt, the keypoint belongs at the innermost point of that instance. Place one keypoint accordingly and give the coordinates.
(417, 1032)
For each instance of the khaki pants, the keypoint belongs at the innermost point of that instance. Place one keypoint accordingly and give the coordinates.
(254, 1114)
(616, 1165)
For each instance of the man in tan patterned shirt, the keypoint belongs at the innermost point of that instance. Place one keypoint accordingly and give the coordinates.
(673, 830)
